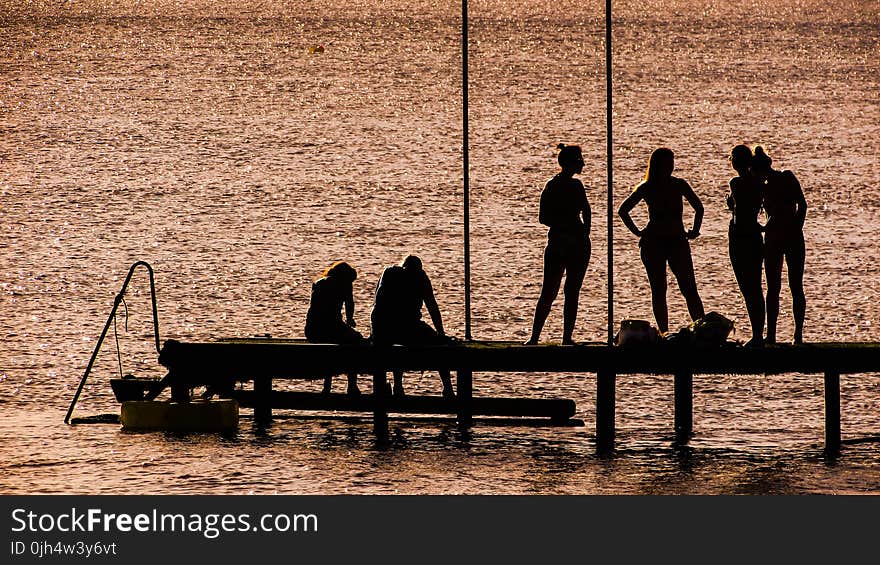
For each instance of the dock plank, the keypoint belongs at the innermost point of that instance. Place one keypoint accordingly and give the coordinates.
(246, 359)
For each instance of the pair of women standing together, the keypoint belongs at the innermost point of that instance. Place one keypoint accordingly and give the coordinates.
(757, 185)
(664, 240)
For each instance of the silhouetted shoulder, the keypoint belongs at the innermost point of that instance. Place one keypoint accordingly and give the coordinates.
(389, 282)
(324, 287)
(641, 188)
(679, 183)
(790, 179)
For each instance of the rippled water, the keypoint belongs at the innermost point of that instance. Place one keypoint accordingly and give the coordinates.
(205, 138)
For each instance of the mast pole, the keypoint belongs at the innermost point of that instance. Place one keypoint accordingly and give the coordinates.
(610, 171)
(466, 165)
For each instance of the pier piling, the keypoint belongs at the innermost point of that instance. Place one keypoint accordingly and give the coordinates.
(380, 406)
(684, 406)
(605, 398)
(263, 404)
(832, 412)
(464, 394)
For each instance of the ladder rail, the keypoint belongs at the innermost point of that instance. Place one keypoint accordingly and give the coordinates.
(110, 318)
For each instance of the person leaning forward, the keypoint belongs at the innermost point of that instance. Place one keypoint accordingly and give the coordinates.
(397, 314)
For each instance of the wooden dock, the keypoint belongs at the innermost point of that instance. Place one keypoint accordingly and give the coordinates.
(261, 361)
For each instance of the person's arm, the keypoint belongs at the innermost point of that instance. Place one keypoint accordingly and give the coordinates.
(587, 214)
(730, 199)
(697, 205)
(801, 200)
(431, 305)
(349, 306)
(544, 213)
(626, 207)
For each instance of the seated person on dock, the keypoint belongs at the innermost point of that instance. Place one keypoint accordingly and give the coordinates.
(397, 314)
(330, 293)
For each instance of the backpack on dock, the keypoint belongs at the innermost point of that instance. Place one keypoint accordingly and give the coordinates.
(711, 330)
(636, 333)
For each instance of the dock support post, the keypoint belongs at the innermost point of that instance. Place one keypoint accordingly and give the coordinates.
(832, 412)
(262, 400)
(179, 389)
(464, 394)
(380, 405)
(605, 382)
(684, 406)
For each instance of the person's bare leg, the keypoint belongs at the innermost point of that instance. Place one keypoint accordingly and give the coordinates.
(773, 270)
(446, 379)
(747, 261)
(795, 261)
(682, 266)
(574, 279)
(353, 389)
(398, 383)
(754, 297)
(553, 270)
(655, 268)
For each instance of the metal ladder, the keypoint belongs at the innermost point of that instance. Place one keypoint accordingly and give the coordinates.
(110, 318)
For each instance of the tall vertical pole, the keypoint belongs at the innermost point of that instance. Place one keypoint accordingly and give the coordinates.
(605, 379)
(464, 129)
(610, 171)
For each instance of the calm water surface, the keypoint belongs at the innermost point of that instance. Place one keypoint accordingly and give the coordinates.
(205, 138)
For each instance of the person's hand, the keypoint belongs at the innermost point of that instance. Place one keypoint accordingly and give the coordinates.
(693, 234)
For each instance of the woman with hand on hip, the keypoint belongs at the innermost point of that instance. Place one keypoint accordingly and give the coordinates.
(664, 240)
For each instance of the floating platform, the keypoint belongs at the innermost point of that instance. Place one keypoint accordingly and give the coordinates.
(198, 416)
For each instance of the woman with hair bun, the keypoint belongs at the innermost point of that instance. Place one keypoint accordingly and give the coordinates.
(664, 240)
(786, 209)
(330, 294)
(746, 246)
(566, 211)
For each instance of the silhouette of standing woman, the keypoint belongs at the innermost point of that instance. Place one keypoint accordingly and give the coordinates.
(786, 209)
(664, 240)
(746, 245)
(566, 211)
(330, 294)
